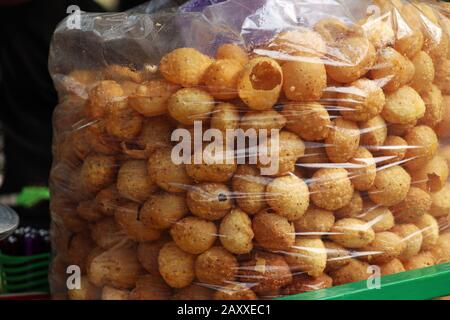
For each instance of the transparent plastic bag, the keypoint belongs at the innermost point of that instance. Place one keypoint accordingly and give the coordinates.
(250, 149)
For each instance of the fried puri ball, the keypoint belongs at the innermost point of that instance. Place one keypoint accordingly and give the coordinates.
(216, 266)
(430, 230)
(397, 129)
(86, 291)
(373, 132)
(315, 156)
(310, 121)
(249, 188)
(107, 200)
(304, 283)
(434, 104)
(391, 186)
(150, 287)
(331, 189)
(184, 66)
(352, 233)
(422, 260)
(392, 70)
(260, 83)
(232, 52)
(380, 218)
(265, 272)
(300, 41)
(98, 172)
(308, 255)
(425, 73)
(78, 249)
(272, 231)
(288, 196)
(194, 235)
(189, 105)
(403, 106)
(107, 234)
(166, 174)
(361, 100)
(409, 43)
(332, 29)
(116, 267)
(411, 236)
(432, 176)
(337, 256)
(99, 140)
(147, 254)
(111, 293)
(443, 128)
(442, 78)
(391, 267)
(225, 116)
(221, 78)
(363, 170)
(100, 96)
(354, 271)
(127, 217)
(441, 251)
(235, 291)
(162, 210)
(385, 247)
(352, 209)
(303, 80)
(352, 58)
(88, 211)
(315, 221)
(150, 98)
(425, 143)
(440, 202)
(210, 201)
(133, 181)
(262, 120)
(176, 266)
(121, 121)
(379, 30)
(393, 150)
(415, 205)
(236, 233)
(342, 141)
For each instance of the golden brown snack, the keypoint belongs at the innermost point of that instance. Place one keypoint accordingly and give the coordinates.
(391, 267)
(416, 204)
(424, 75)
(403, 106)
(236, 232)
(410, 43)
(151, 287)
(391, 186)
(315, 156)
(122, 73)
(117, 267)
(440, 202)
(265, 272)
(443, 128)
(352, 209)
(356, 56)
(147, 254)
(232, 51)
(221, 78)
(97, 139)
(331, 189)
(225, 116)
(301, 41)
(373, 133)
(393, 151)
(184, 66)
(167, 175)
(442, 79)
(234, 291)
(128, 218)
(193, 292)
(315, 221)
(150, 98)
(352, 233)
(100, 96)
(176, 266)
(87, 210)
(260, 83)
(304, 283)
(363, 169)
(411, 236)
(434, 103)
(354, 271)
(379, 30)
(87, 291)
(385, 247)
(111, 293)
(422, 260)
(397, 129)
(337, 256)
(361, 101)
(288, 196)
(121, 121)
(249, 188)
(303, 80)
(430, 231)
(310, 121)
(107, 200)
(107, 234)
(216, 266)
(78, 249)
(273, 232)
(425, 143)
(189, 105)
(162, 210)
(133, 181)
(332, 29)
(308, 255)
(441, 251)
(210, 201)
(432, 176)
(379, 217)
(342, 140)
(194, 235)
(268, 120)
(98, 172)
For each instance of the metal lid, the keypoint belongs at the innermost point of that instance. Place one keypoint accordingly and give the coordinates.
(9, 221)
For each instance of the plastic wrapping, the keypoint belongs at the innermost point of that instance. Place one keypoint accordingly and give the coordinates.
(252, 149)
